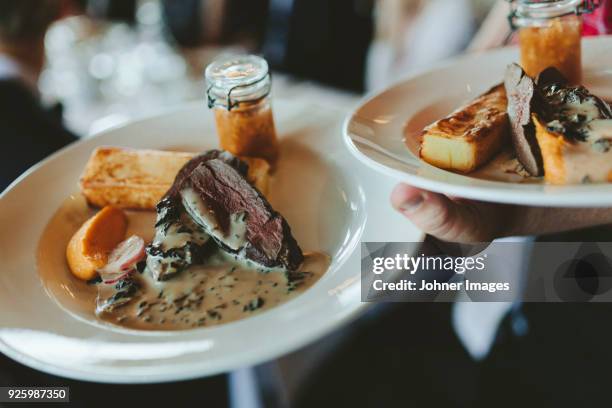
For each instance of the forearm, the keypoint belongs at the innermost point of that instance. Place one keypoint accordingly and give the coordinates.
(544, 220)
(465, 221)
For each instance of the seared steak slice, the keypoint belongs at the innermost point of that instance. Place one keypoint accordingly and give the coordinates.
(522, 95)
(220, 199)
(241, 167)
(213, 190)
(179, 242)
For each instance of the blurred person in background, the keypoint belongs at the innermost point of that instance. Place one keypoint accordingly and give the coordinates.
(320, 40)
(193, 23)
(413, 34)
(30, 132)
(325, 41)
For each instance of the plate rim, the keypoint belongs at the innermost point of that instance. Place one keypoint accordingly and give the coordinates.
(495, 192)
(203, 367)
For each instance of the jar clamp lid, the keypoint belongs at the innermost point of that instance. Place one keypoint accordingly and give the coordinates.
(235, 79)
(534, 13)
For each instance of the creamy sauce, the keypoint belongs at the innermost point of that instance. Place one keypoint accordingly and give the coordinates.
(601, 128)
(177, 235)
(234, 238)
(218, 292)
(587, 108)
(584, 164)
(588, 160)
(207, 295)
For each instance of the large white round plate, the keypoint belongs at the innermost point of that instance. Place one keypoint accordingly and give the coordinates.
(374, 132)
(319, 188)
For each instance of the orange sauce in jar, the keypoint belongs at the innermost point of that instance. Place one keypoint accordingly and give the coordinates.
(557, 44)
(239, 95)
(248, 130)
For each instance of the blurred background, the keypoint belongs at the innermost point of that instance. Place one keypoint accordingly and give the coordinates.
(122, 59)
(112, 61)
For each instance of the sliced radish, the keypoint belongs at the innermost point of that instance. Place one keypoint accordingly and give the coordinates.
(112, 279)
(127, 253)
(123, 258)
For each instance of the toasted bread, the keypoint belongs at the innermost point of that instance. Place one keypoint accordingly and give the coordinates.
(470, 136)
(138, 179)
(130, 178)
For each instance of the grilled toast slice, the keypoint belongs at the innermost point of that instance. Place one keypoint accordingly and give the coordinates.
(130, 178)
(470, 136)
(139, 178)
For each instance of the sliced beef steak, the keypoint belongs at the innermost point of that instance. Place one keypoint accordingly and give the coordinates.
(212, 188)
(522, 95)
(241, 167)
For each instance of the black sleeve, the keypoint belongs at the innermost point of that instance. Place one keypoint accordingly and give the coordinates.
(28, 132)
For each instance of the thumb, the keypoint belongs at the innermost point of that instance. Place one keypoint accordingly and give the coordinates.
(447, 219)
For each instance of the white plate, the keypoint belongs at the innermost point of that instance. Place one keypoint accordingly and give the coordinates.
(322, 191)
(374, 132)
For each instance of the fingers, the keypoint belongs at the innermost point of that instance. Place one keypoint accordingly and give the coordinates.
(446, 219)
(473, 221)
(407, 199)
(432, 213)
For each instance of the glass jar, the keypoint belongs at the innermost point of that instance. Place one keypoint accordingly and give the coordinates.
(550, 33)
(238, 91)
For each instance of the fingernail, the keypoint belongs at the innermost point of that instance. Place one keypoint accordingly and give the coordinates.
(413, 204)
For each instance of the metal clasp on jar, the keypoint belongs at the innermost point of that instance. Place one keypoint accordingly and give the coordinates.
(230, 103)
(525, 13)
